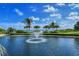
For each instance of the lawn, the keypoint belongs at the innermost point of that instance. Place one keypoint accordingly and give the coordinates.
(65, 33)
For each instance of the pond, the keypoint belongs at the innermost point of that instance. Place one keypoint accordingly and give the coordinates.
(54, 46)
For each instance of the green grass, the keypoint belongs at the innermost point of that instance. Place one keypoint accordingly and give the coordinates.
(67, 32)
(64, 33)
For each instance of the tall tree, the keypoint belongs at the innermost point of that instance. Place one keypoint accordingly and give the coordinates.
(76, 26)
(28, 22)
(56, 26)
(10, 30)
(46, 27)
(53, 25)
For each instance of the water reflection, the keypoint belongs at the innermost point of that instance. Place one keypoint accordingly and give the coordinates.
(17, 45)
(77, 42)
(77, 45)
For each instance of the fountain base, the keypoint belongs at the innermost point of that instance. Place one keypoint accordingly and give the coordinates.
(36, 40)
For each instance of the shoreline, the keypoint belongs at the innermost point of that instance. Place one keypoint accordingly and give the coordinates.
(55, 35)
(2, 35)
(49, 35)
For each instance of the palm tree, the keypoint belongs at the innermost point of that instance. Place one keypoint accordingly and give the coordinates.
(28, 22)
(26, 27)
(52, 25)
(46, 27)
(37, 27)
(56, 26)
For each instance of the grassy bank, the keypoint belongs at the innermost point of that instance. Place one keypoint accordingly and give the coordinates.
(72, 33)
(20, 34)
(57, 32)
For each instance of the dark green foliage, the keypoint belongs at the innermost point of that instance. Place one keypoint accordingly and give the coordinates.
(53, 25)
(10, 30)
(28, 22)
(26, 26)
(2, 30)
(46, 27)
(36, 26)
(76, 26)
(20, 31)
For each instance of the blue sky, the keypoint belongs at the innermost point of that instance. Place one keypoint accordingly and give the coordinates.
(13, 14)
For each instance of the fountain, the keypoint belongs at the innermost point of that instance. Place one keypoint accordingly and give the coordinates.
(35, 37)
(2, 51)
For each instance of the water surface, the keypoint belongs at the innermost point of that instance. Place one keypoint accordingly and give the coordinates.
(54, 46)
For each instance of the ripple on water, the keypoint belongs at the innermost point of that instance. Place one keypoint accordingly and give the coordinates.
(36, 40)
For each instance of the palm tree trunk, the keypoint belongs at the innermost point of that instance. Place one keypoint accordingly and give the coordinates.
(30, 27)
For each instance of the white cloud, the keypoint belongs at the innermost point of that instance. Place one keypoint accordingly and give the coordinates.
(71, 4)
(56, 15)
(35, 18)
(18, 25)
(61, 4)
(49, 8)
(46, 19)
(73, 16)
(66, 25)
(18, 12)
(39, 24)
(74, 5)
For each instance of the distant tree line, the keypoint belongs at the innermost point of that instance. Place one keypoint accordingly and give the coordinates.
(28, 25)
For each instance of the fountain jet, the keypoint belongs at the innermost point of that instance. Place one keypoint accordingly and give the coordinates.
(35, 37)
